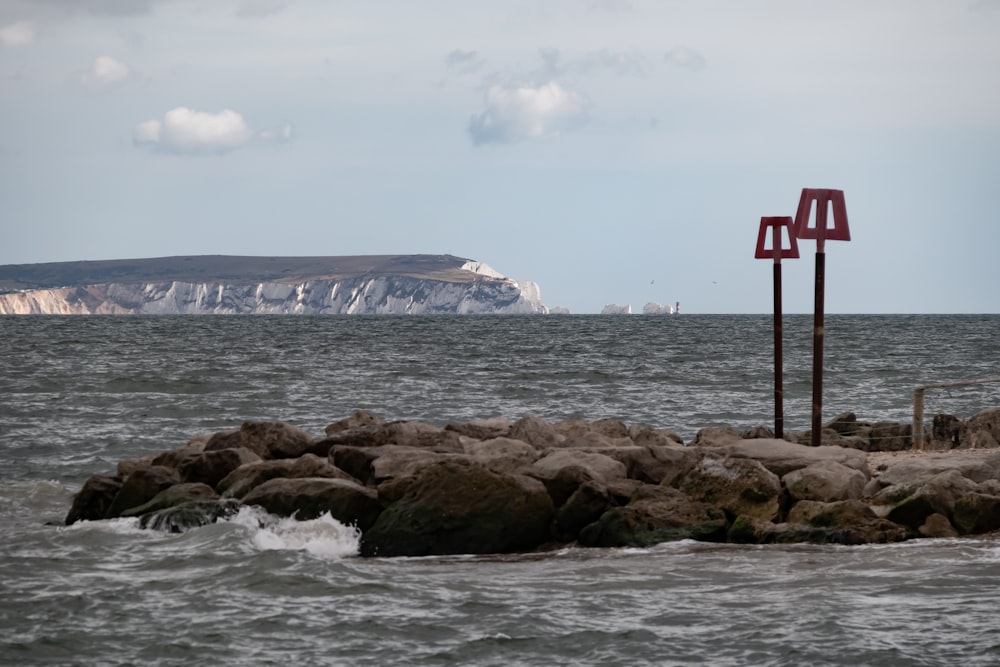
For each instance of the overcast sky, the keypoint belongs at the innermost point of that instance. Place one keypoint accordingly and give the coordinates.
(613, 151)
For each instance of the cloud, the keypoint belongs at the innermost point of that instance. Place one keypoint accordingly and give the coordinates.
(616, 61)
(682, 56)
(254, 9)
(101, 7)
(464, 61)
(518, 113)
(106, 71)
(184, 130)
(17, 34)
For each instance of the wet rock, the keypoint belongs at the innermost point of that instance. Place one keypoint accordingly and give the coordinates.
(94, 499)
(656, 514)
(212, 466)
(843, 522)
(653, 464)
(585, 506)
(937, 525)
(248, 476)
(141, 487)
(977, 513)
(947, 432)
(174, 495)
(910, 504)
(311, 497)
(188, 515)
(456, 507)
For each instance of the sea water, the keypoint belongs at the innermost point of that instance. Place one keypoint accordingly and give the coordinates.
(79, 394)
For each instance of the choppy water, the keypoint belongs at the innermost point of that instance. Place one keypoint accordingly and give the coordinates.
(79, 394)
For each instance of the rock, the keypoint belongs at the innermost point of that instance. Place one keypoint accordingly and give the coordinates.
(565, 481)
(455, 507)
(655, 437)
(356, 461)
(212, 466)
(585, 506)
(911, 504)
(983, 430)
(482, 429)
(891, 437)
(94, 499)
(536, 432)
(595, 441)
(846, 423)
(141, 487)
(401, 433)
(245, 478)
(358, 419)
(129, 466)
(174, 458)
(841, 522)
(653, 464)
(396, 461)
(937, 525)
(268, 440)
(737, 486)
(977, 513)
(782, 457)
(656, 514)
(186, 516)
(174, 495)
(825, 481)
(310, 497)
(501, 454)
(598, 466)
(947, 432)
(977, 466)
(757, 432)
(715, 436)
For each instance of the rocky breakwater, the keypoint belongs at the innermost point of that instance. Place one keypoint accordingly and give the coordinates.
(496, 485)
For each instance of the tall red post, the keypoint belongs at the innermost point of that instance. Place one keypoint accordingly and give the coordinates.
(776, 251)
(825, 199)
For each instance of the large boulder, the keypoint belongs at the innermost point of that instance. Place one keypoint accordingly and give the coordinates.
(188, 515)
(94, 499)
(715, 436)
(453, 507)
(656, 514)
(141, 487)
(598, 466)
(977, 513)
(891, 437)
(978, 466)
(824, 481)
(782, 457)
(536, 432)
(983, 429)
(910, 504)
(583, 507)
(501, 454)
(359, 419)
(174, 495)
(212, 466)
(245, 478)
(737, 486)
(842, 522)
(268, 440)
(310, 497)
(482, 429)
(655, 464)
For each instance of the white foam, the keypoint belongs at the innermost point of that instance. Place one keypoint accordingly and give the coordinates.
(323, 537)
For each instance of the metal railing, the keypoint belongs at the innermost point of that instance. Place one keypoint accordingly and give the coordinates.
(918, 405)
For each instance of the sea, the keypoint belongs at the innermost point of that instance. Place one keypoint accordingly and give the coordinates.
(78, 394)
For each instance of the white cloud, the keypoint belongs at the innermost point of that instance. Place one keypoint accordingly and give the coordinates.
(184, 130)
(282, 132)
(682, 56)
(106, 71)
(516, 114)
(17, 34)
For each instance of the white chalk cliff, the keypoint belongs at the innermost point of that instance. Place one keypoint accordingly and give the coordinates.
(463, 287)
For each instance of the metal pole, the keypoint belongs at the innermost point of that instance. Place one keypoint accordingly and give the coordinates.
(918, 418)
(779, 392)
(817, 402)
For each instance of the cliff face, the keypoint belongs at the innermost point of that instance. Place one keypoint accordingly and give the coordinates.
(469, 288)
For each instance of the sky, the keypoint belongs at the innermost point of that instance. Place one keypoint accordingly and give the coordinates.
(612, 151)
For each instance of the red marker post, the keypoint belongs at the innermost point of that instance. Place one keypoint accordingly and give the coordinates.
(777, 252)
(825, 200)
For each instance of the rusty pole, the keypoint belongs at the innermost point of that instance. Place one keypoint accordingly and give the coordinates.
(817, 388)
(779, 390)
(776, 224)
(840, 231)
